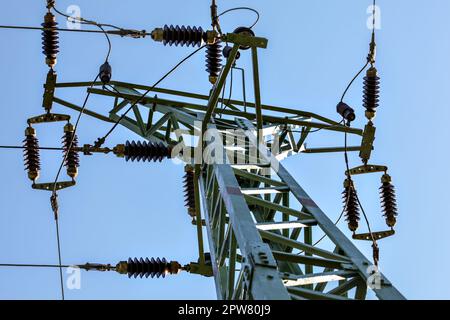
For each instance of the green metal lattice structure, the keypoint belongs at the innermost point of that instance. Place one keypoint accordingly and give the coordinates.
(260, 246)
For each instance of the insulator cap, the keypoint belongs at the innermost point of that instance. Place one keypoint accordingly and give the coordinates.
(145, 151)
(371, 97)
(351, 205)
(31, 154)
(50, 39)
(388, 201)
(148, 268)
(346, 111)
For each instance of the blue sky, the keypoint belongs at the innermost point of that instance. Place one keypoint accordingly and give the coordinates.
(315, 47)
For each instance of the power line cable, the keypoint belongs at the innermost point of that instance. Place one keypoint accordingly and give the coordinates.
(370, 57)
(243, 8)
(102, 140)
(353, 80)
(85, 21)
(346, 151)
(34, 265)
(88, 22)
(39, 148)
(54, 197)
(121, 32)
(369, 60)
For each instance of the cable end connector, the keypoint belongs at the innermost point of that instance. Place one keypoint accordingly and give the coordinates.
(50, 4)
(99, 142)
(371, 57)
(375, 253)
(131, 33)
(215, 17)
(97, 267)
(54, 204)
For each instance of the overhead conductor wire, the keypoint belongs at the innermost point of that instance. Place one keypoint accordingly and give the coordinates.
(369, 61)
(243, 8)
(54, 196)
(345, 143)
(102, 140)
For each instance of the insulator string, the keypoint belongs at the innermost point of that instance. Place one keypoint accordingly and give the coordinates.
(146, 151)
(183, 36)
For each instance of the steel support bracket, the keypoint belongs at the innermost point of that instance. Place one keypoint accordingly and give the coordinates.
(49, 90)
(367, 142)
(48, 117)
(245, 40)
(197, 268)
(260, 256)
(376, 235)
(369, 168)
(53, 186)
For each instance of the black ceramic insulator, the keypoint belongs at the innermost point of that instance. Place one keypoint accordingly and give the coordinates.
(140, 267)
(146, 151)
(72, 162)
(371, 99)
(214, 59)
(189, 192)
(388, 202)
(50, 39)
(181, 35)
(31, 154)
(351, 205)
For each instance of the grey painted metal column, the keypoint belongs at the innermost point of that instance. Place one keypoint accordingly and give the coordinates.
(259, 266)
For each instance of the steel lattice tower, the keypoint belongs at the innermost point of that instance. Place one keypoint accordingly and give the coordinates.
(247, 210)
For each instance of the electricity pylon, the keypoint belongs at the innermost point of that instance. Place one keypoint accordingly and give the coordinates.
(260, 245)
